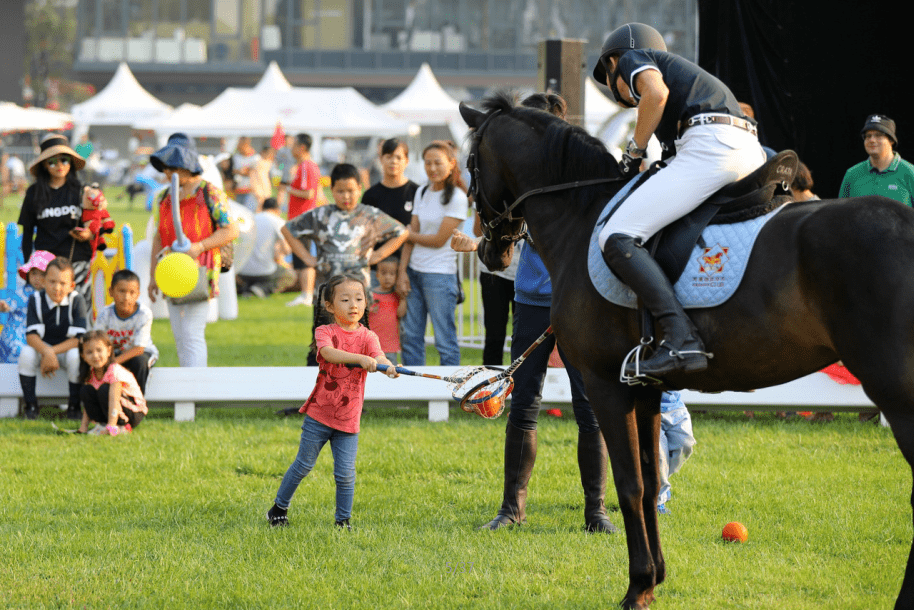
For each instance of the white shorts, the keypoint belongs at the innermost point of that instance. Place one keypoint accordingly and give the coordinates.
(708, 157)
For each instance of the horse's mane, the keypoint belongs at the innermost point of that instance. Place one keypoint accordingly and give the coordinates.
(573, 153)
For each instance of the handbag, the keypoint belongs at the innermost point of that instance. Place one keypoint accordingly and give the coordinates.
(200, 291)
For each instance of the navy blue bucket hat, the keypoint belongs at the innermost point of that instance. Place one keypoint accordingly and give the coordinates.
(180, 152)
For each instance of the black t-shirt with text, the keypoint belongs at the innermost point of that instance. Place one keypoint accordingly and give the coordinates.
(53, 221)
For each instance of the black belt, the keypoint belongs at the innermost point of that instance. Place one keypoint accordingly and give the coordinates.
(721, 119)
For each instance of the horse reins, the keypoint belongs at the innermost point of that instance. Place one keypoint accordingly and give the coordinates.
(476, 192)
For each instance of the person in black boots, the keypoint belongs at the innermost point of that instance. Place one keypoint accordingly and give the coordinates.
(708, 143)
(532, 304)
(55, 321)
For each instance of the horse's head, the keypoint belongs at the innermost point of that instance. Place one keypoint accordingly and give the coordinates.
(520, 153)
(501, 227)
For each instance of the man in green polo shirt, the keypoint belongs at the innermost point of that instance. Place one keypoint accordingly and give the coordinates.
(885, 172)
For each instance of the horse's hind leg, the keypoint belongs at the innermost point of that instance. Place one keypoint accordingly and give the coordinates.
(613, 405)
(892, 390)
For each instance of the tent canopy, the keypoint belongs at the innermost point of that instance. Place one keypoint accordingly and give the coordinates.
(320, 111)
(424, 101)
(123, 101)
(17, 118)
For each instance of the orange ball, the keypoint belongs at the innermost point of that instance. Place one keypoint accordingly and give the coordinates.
(735, 532)
(489, 408)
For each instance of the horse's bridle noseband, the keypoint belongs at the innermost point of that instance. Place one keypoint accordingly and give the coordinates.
(477, 194)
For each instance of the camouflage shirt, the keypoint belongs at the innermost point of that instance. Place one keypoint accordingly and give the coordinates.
(344, 240)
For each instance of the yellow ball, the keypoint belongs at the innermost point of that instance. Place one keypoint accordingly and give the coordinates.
(176, 274)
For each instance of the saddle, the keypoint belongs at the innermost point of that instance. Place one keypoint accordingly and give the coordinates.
(755, 195)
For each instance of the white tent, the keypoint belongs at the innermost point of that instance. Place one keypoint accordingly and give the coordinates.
(340, 112)
(17, 118)
(424, 101)
(123, 101)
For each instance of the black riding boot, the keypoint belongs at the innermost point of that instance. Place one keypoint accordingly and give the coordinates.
(681, 348)
(592, 460)
(520, 454)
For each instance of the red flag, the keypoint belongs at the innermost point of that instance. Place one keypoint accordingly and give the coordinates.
(279, 137)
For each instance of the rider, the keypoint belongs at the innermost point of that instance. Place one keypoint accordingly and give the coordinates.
(715, 144)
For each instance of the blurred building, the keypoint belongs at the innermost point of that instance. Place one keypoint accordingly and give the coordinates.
(190, 50)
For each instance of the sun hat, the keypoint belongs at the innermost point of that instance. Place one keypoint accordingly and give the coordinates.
(54, 144)
(38, 260)
(180, 152)
(880, 122)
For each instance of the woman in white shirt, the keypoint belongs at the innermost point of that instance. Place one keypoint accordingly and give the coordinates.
(428, 267)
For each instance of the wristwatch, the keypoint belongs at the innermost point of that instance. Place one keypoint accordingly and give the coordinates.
(632, 149)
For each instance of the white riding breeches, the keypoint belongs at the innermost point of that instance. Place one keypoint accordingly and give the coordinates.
(708, 157)
(30, 362)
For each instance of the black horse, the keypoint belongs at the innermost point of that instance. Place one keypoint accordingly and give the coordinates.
(827, 281)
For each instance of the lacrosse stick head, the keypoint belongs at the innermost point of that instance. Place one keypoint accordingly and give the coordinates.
(489, 401)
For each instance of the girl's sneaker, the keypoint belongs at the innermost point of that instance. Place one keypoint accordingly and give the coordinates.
(277, 517)
(98, 430)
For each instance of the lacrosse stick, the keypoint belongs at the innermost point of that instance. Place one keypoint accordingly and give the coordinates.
(475, 387)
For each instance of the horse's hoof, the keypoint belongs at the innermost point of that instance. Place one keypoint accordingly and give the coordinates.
(499, 522)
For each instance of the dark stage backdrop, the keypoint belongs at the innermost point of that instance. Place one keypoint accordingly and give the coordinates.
(813, 71)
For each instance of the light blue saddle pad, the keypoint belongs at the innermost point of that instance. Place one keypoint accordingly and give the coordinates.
(712, 274)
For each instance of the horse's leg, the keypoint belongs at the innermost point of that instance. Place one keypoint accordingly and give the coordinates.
(647, 414)
(614, 405)
(891, 388)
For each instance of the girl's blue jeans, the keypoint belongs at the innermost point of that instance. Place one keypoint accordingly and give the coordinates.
(314, 435)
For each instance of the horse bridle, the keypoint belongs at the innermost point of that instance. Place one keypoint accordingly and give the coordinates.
(477, 194)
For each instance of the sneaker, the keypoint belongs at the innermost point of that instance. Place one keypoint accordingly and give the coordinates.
(259, 292)
(300, 300)
(344, 525)
(277, 517)
(662, 509)
(30, 411)
(98, 430)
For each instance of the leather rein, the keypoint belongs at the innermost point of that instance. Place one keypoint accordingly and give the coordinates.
(506, 214)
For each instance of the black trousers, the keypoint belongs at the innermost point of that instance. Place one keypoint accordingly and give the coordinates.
(530, 322)
(95, 402)
(139, 366)
(497, 303)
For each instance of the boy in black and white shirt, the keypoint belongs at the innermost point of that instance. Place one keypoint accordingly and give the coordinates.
(55, 320)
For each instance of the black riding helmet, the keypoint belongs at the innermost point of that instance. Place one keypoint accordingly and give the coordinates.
(625, 38)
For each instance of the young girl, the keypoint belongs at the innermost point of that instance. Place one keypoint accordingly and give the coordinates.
(428, 266)
(387, 308)
(335, 406)
(12, 337)
(111, 396)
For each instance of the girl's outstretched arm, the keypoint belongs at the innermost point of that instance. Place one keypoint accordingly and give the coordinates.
(338, 356)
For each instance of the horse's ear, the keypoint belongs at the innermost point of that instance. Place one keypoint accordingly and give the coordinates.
(473, 118)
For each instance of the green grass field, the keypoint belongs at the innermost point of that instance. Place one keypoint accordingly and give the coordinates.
(173, 517)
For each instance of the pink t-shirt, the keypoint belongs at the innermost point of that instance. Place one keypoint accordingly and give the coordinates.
(131, 389)
(339, 393)
(382, 317)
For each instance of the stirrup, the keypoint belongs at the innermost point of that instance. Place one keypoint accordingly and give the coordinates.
(635, 356)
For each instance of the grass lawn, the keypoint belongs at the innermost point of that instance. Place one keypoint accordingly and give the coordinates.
(173, 517)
